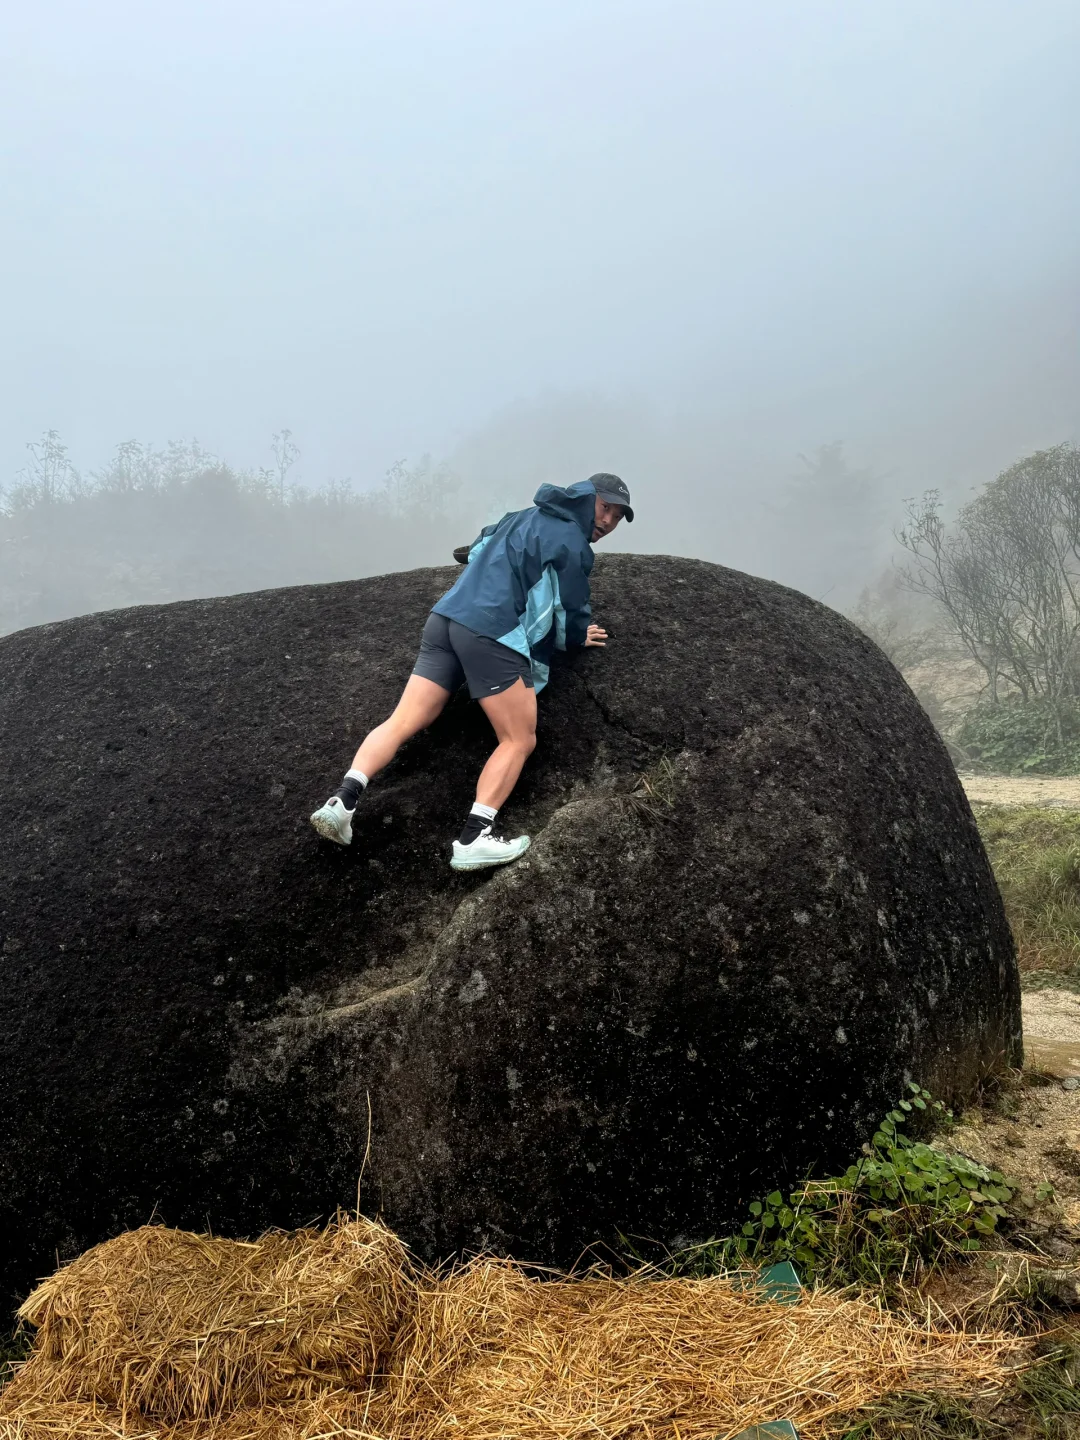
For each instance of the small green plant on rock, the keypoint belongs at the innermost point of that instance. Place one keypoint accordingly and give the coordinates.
(657, 790)
(902, 1209)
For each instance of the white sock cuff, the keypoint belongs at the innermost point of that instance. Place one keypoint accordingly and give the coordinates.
(487, 812)
(358, 776)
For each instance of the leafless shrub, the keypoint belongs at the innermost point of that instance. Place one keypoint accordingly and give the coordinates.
(1006, 575)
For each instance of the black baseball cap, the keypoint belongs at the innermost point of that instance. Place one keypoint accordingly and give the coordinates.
(614, 491)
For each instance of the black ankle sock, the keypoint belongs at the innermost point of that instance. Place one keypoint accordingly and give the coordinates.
(473, 828)
(349, 792)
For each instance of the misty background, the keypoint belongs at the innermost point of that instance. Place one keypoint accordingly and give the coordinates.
(303, 292)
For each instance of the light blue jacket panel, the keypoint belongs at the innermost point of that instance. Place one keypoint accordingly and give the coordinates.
(527, 580)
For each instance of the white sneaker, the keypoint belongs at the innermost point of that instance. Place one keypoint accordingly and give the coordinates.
(487, 849)
(333, 821)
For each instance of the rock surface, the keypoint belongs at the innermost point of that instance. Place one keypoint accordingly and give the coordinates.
(658, 1012)
(1060, 1287)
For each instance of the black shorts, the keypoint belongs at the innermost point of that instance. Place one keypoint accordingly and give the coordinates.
(451, 654)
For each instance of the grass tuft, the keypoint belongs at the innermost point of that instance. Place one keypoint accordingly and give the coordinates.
(1035, 854)
(910, 1416)
(657, 790)
(1052, 1387)
(14, 1348)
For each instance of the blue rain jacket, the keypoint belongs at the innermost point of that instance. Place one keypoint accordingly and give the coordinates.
(527, 580)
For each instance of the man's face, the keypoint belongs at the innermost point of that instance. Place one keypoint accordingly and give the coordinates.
(605, 518)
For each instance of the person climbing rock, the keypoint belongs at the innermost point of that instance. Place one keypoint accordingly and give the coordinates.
(524, 593)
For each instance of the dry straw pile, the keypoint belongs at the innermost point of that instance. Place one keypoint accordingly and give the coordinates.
(161, 1335)
(182, 1326)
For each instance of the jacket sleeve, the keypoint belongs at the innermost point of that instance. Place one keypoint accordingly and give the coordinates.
(572, 567)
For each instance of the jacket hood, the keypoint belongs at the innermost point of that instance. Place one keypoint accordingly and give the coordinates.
(575, 502)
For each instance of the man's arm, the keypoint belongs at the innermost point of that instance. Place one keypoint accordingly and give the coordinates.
(572, 624)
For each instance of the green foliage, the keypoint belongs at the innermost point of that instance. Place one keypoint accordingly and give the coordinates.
(1023, 737)
(14, 1348)
(1048, 1391)
(1036, 858)
(902, 1209)
(1052, 1387)
(911, 1416)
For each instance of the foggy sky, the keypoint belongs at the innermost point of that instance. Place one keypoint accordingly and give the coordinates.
(681, 240)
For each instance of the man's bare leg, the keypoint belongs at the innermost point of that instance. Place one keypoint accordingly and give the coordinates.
(512, 714)
(513, 718)
(422, 701)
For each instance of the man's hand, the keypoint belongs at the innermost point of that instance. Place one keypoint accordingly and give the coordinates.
(596, 636)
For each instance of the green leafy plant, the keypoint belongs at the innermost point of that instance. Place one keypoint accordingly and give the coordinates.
(1023, 737)
(900, 1210)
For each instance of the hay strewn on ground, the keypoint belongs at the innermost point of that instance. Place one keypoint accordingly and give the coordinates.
(490, 1353)
(163, 1334)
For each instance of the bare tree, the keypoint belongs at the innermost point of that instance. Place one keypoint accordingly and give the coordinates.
(286, 454)
(893, 626)
(49, 478)
(1007, 575)
(425, 489)
(133, 467)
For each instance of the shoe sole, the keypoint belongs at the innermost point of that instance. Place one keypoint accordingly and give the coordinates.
(456, 864)
(326, 827)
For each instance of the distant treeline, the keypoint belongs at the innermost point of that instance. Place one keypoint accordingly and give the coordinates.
(995, 582)
(158, 525)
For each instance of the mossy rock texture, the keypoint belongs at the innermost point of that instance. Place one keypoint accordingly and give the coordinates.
(670, 1004)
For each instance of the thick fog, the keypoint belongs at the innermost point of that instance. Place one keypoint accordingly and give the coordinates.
(779, 265)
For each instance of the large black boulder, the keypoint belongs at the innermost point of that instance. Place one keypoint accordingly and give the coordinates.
(678, 997)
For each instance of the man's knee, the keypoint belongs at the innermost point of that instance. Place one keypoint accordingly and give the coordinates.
(527, 743)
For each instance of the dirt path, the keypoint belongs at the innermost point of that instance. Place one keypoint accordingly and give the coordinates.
(1061, 792)
(1053, 1014)
(1052, 1031)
